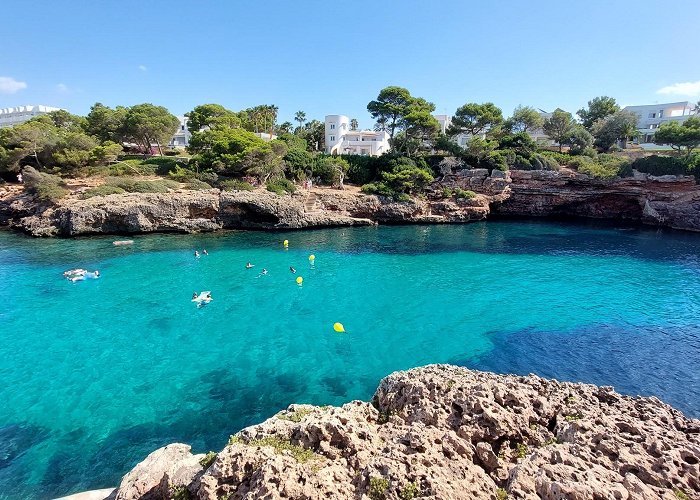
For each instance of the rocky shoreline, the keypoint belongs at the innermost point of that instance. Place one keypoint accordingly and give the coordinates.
(667, 201)
(440, 432)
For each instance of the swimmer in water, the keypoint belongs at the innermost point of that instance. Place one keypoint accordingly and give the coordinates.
(292, 270)
(249, 265)
(205, 252)
(263, 272)
(194, 295)
(196, 253)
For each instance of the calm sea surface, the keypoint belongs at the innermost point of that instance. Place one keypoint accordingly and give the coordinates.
(95, 375)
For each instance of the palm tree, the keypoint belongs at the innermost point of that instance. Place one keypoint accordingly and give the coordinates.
(285, 127)
(696, 109)
(353, 124)
(300, 117)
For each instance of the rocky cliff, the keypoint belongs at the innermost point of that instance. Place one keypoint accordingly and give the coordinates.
(671, 201)
(445, 432)
(665, 201)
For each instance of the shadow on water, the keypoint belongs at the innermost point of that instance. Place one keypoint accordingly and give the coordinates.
(529, 236)
(649, 361)
(212, 407)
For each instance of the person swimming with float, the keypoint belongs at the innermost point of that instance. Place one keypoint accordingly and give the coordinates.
(249, 265)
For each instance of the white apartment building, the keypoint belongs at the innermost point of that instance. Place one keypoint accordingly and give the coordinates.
(341, 140)
(653, 115)
(20, 114)
(181, 139)
(461, 139)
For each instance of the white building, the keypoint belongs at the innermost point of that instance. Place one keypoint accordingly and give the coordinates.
(653, 115)
(20, 114)
(181, 139)
(461, 139)
(341, 140)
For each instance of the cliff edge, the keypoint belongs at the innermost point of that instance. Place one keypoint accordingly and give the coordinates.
(442, 432)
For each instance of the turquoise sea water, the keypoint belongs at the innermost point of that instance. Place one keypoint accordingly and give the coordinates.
(97, 374)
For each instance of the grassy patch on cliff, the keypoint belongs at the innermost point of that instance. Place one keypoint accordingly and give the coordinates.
(140, 186)
(280, 445)
(296, 415)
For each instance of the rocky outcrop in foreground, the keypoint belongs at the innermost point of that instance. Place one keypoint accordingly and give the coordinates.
(445, 432)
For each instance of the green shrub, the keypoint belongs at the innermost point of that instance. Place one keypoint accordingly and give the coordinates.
(464, 194)
(501, 494)
(280, 445)
(235, 185)
(138, 186)
(681, 495)
(378, 487)
(661, 165)
(560, 158)
(521, 450)
(296, 415)
(171, 152)
(208, 459)
(181, 493)
(163, 165)
(104, 190)
(409, 492)
(46, 187)
(180, 174)
(197, 185)
(280, 186)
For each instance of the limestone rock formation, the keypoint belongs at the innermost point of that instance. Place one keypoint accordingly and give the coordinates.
(669, 200)
(447, 432)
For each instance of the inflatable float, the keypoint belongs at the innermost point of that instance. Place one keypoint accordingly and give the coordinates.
(120, 243)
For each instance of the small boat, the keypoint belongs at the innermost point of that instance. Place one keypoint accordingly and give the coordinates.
(120, 243)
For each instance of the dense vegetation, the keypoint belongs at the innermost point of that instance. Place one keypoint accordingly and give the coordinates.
(232, 150)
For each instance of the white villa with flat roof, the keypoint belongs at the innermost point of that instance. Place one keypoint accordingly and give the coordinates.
(181, 139)
(653, 115)
(340, 140)
(20, 114)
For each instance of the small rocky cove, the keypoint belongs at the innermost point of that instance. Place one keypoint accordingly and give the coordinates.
(445, 432)
(668, 201)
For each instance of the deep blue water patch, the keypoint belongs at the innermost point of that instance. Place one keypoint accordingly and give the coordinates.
(97, 374)
(654, 360)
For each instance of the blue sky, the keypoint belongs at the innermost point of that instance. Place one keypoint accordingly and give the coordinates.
(333, 57)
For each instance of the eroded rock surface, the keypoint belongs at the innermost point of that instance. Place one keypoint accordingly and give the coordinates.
(669, 200)
(446, 432)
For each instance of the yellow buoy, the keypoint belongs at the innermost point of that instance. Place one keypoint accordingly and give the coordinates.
(338, 327)
(312, 258)
(286, 243)
(300, 280)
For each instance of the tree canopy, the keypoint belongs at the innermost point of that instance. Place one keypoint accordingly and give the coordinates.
(598, 108)
(558, 126)
(211, 115)
(524, 119)
(146, 124)
(475, 119)
(680, 137)
(618, 126)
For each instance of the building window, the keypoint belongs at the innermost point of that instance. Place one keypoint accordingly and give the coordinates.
(332, 126)
(652, 115)
(661, 113)
(332, 138)
(182, 127)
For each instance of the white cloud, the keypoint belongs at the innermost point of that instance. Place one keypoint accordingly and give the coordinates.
(142, 67)
(689, 89)
(62, 88)
(9, 85)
